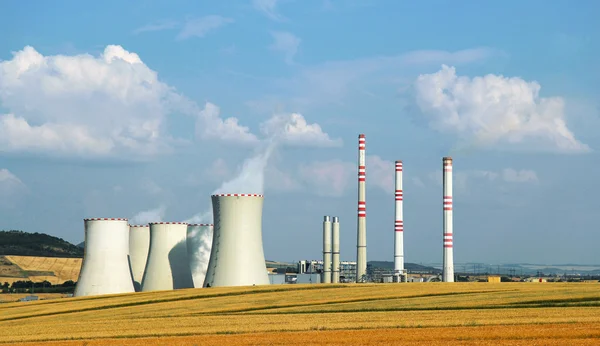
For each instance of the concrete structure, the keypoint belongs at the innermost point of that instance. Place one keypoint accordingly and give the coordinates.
(398, 226)
(237, 257)
(448, 266)
(347, 269)
(139, 244)
(105, 267)
(326, 250)
(168, 266)
(199, 243)
(361, 241)
(335, 258)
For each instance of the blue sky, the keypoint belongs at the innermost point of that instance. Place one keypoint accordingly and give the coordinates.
(110, 110)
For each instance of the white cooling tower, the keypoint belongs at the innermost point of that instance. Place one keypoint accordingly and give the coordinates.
(237, 257)
(139, 243)
(199, 243)
(168, 266)
(105, 267)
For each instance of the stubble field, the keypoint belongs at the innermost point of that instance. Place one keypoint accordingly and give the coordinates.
(366, 314)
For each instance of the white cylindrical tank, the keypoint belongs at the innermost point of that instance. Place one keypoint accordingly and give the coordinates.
(139, 243)
(105, 267)
(237, 256)
(335, 258)
(168, 266)
(361, 241)
(326, 277)
(448, 269)
(398, 224)
(199, 244)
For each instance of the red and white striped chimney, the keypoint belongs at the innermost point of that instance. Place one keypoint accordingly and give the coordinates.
(398, 224)
(361, 242)
(448, 273)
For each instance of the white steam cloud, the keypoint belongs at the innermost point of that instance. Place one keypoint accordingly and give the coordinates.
(199, 245)
(145, 217)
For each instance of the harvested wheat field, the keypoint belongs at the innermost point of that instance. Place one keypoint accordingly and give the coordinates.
(367, 314)
(55, 270)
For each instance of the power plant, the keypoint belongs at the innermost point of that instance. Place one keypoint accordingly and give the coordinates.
(168, 266)
(237, 257)
(122, 258)
(139, 242)
(398, 225)
(326, 250)
(199, 244)
(105, 267)
(361, 241)
(448, 271)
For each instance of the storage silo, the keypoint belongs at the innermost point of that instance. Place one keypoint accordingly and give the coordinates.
(199, 243)
(168, 266)
(139, 243)
(105, 267)
(237, 255)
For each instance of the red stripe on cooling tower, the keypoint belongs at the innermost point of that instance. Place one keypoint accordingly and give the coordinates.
(105, 219)
(200, 224)
(238, 195)
(168, 223)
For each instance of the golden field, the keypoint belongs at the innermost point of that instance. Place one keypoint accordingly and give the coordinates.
(370, 314)
(63, 269)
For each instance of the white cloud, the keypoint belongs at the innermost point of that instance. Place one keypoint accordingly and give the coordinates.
(9, 181)
(218, 170)
(285, 43)
(280, 181)
(268, 8)
(494, 110)
(328, 178)
(11, 188)
(83, 105)
(210, 125)
(199, 27)
(380, 173)
(292, 129)
(330, 82)
(157, 26)
(150, 186)
(152, 215)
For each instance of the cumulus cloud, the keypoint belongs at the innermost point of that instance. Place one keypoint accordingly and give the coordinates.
(328, 178)
(494, 110)
(83, 105)
(210, 125)
(285, 43)
(293, 129)
(199, 27)
(268, 8)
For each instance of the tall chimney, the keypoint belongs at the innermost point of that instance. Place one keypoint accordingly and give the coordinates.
(361, 241)
(326, 250)
(399, 224)
(335, 275)
(448, 274)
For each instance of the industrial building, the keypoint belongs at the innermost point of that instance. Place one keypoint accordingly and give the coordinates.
(347, 269)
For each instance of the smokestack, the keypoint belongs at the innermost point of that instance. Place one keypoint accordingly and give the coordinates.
(326, 250)
(139, 243)
(335, 275)
(199, 244)
(237, 257)
(105, 268)
(448, 274)
(361, 241)
(399, 224)
(168, 265)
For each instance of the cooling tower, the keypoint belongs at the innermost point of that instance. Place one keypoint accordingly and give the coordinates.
(335, 274)
(168, 266)
(448, 273)
(326, 277)
(361, 241)
(399, 224)
(139, 242)
(105, 267)
(199, 243)
(237, 257)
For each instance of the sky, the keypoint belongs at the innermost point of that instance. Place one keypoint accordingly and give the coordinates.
(144, 109)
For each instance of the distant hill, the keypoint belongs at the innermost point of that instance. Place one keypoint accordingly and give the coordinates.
(412, 267)
(21, 243)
